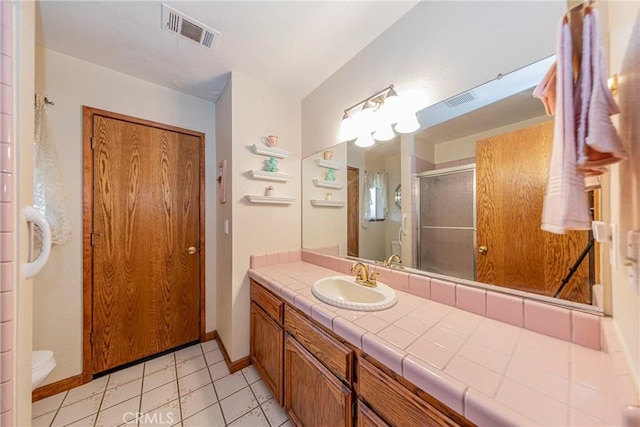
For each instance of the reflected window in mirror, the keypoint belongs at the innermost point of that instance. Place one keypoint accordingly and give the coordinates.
(374, 204)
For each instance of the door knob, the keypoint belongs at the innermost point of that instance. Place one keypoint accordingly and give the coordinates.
(192, 250)
(483, 249)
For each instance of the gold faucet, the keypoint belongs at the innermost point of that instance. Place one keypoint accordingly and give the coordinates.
(363, 275)
(390, 262)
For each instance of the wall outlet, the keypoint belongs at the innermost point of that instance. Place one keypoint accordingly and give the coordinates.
(633, 256)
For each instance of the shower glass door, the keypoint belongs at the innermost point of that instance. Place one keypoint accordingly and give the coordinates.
(447, 222)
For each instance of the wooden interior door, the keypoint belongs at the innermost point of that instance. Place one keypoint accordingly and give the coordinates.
(146, 239)
(511, 173)
(353, 211)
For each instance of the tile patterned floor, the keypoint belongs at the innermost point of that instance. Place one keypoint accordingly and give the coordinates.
(190, 387)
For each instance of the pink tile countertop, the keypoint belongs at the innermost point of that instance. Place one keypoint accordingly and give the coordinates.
(491, 372)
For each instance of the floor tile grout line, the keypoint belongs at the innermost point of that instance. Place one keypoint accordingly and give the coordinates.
(58, 410)
(178, 385)
(236, 392)
(224, 419)
(104, 393)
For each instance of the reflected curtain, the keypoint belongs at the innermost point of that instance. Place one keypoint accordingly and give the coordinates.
(374, 197)
(48, 195)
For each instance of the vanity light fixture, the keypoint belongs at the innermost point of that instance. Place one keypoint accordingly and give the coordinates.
(365, 140)
(376, 115)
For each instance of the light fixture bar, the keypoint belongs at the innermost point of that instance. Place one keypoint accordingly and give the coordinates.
(371, 98)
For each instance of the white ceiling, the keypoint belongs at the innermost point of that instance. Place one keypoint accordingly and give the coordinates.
(291, 45)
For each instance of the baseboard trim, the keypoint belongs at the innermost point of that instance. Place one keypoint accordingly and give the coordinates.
(55, 388)
(210, 336)
(233, 366)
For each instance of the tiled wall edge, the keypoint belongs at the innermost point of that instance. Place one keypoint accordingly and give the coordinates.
(7, 198)
(627, 386)
(273, 258)
(573, 325)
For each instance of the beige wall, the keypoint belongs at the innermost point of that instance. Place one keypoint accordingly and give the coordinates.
(24, 39)
(624, 60)
(72, 83)
(224, 212)
(257, 110)
(427, 55)
(324, 226)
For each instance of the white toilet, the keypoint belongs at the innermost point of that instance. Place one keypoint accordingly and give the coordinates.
(42, 363)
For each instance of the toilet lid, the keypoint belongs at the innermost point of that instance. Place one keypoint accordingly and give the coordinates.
(40, 358)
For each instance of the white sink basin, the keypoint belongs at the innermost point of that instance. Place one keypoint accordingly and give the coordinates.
(344, 292)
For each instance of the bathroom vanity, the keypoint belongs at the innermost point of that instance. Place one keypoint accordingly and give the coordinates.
(322, 380)
(422, 362)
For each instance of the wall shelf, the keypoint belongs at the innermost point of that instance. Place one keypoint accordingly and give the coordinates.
(270, 176)
(327, 184)
(327, 203)
(270, 199)
(327, 164)
(270, 151)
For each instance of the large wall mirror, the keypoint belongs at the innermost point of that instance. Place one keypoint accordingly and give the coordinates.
(471, 182)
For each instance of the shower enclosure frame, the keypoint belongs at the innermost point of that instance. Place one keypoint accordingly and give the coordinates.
(442, 172)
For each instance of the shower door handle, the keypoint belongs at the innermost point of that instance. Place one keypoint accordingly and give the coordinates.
(483, 249)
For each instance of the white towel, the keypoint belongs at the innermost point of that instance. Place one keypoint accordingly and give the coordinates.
(565, 204)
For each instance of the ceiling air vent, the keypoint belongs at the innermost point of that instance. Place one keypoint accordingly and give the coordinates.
(460, 99)
(187, 27)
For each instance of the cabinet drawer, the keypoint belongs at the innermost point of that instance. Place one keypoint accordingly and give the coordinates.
(314, 397)
(365, 417)
(270, 303)
(335, 355)
(393, 402)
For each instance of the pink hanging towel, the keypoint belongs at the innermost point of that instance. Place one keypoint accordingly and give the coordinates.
(565, 205)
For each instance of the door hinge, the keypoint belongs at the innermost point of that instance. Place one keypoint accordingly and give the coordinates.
(91, 338)
(93, 238)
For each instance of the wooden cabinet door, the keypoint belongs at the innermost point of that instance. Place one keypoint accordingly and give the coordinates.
(266, 349)
(313, 395)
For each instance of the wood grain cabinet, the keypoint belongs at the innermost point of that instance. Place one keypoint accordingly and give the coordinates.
(397, 404)
(313, 395)
(323, 381)
(267, 338)
(366, 417)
